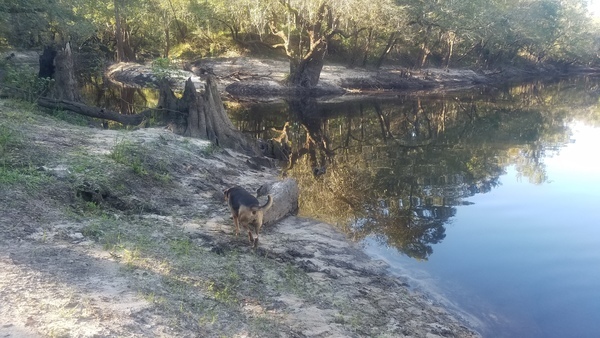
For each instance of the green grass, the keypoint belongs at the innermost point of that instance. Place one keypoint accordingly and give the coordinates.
(25, 81)
(29, 178)
(181, 246)
(6, 137)
(141, 160)
(94, 231)
(19, 110)
(131, 155)
(9, 139)
(211, 149)
(122, 151)
(69, 117)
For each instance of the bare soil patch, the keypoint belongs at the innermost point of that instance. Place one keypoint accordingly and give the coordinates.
(125, 233)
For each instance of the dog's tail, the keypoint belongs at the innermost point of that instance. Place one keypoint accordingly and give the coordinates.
(266, 206)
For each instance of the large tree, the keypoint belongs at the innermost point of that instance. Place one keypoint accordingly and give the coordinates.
(304, 35)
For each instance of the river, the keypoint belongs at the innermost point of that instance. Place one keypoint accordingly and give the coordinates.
(487, 200)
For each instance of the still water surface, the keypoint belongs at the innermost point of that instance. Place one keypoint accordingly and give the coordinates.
(524, 258)
(487, 200)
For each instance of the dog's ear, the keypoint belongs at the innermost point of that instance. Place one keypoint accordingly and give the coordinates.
(226, 193)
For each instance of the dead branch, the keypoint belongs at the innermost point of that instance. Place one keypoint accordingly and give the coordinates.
(101, 113)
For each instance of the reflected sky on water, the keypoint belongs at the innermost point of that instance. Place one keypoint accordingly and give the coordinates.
(523, 258)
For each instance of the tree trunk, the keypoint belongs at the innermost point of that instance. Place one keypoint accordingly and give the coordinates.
(203, 116)
(306, 72)
(47, 62)
(65, 85)
(167, 43)
(388, 48)
(124, 51)
(449, 37)
(119, 33)
(424, 50)
(367, 48)
(126, 100)
(305, 68)
(166, 21)
(355, 50)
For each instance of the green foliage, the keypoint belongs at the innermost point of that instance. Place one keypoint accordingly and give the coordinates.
(436, 33)
(162, 68)
(23, 82)
(92, 231)
(33, 23)
(210, 149)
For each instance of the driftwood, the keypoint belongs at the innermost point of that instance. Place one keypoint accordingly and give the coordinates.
(101, 113)
(285, 199)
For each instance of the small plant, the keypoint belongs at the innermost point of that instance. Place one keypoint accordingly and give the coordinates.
(181, 246)
(120, 151)
(210, 149)
(91, 207)
(138, 167)
(113, 241)
(93, 231)
(151, 297)
(209, 317)
(163, 178)
(125, 152)
(163, 67)
(130, 257)
(222, 294)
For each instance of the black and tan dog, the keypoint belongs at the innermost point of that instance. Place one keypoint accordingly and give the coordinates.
(246, 210)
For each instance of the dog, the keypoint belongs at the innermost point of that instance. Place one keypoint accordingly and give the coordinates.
(246, 210)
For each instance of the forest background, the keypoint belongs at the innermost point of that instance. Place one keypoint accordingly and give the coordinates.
(479, 34)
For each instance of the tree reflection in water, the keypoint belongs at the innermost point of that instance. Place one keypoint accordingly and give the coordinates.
(396, 169)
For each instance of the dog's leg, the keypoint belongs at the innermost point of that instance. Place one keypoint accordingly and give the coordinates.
(236, 222)
(250, 236)
(259, 222)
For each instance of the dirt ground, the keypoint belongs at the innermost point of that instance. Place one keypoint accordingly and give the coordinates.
(124, 233)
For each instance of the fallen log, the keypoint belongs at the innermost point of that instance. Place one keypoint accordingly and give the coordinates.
(101, 113)
(285, 199)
